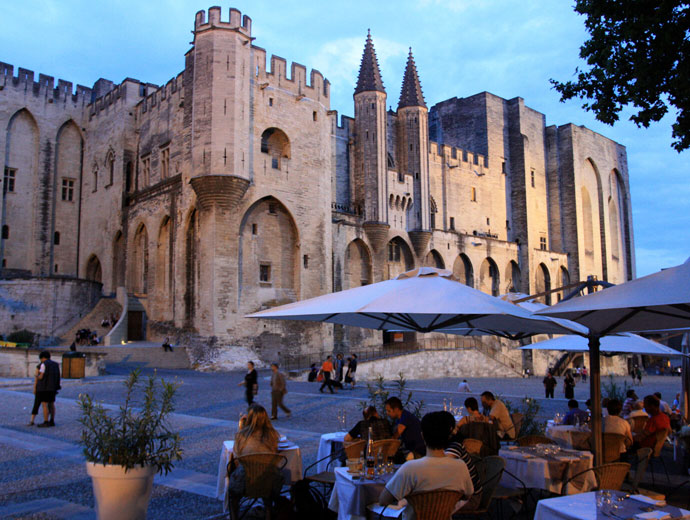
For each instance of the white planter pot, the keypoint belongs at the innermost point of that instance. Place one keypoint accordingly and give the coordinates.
(121, 495)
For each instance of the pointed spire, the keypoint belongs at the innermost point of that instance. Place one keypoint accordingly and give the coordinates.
(369, 73)
(411, 92)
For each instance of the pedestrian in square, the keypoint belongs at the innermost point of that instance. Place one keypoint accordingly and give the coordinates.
(251, 383)
(278, 391)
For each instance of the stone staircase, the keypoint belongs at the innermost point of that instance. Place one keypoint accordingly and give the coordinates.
(105, 307)
(143, 354)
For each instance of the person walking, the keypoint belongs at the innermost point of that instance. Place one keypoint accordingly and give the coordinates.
(639, 375)
(569, 385)
(549, 385)
(278, 391)
(327, 371)
(351, 369)
(251, 383)
(47, 387)
(339, 363)
(37, 400)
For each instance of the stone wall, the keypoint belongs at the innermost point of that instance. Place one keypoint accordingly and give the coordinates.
(20, 362)
(47, 306)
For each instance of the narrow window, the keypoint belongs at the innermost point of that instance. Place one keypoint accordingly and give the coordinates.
(473, 194)
(95, 180)
(270, 102)
(503, 167)
(56, 268)
(488, 221)
(253, 229)
(373, 105)
(305, 260)
(452, 223)
(433, 220)
(265, 273)
(531, 175)
(145, 170)
(68, 190)
(8, 178)
(111, 169)
(275, 163)
(5, 232)
(314, 117)
(56, 238)
(165, 162)
(542, 243)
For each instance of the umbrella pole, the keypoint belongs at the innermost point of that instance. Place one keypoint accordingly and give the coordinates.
(595, 396)
(685, 375)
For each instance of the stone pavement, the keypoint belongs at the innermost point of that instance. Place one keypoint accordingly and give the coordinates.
(42, 473)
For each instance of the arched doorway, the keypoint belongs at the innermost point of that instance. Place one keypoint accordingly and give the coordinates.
(488, 277)
(433, 259)
(463, 270)
(140, 261)
(399, 258)
(357, 265)
(93, 269)
(191, 270)
(542, 283)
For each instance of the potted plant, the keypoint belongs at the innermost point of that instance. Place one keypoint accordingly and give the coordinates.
(126, 449)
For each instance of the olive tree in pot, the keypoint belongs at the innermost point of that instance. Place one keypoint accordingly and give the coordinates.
(126, 449)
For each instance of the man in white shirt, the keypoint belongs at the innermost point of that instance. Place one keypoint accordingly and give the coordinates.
(614, 424)
(499, 413)
(432, 472)
(464, 386)
(663, 405)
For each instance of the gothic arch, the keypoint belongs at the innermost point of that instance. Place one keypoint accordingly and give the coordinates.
(488, 277)
(463, 270)
(109, 164)
(275, 143)
(542, 283)
(163, 270)
(191, 268)
(139, 267)
(118, 274)
(434, 259)
(269, 252)
(565, 280)
(93, 269)
(399, 258)
(620, 192)
(433, 210)
(358, 268)
(513, 277)
(591, 180)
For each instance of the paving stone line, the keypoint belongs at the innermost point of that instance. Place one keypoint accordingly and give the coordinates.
(53, 507)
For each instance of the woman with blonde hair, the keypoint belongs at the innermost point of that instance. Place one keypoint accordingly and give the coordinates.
(256, 435)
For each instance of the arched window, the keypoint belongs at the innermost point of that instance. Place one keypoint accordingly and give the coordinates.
(95, 180)
(275, 143)
(110, 166)
(5, 232)
(543, 284)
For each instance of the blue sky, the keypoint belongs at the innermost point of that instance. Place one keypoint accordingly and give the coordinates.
(507, 47)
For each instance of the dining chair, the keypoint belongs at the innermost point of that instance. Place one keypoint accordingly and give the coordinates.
(388, 447)
(612, 443)
(433, 505)
(490, 470)
(325, 478)
(261, 472)
(661, 436)
(473, 446)
(533, 440)
(517, 419)
(609, 476)
(638, 423)
(353, 450)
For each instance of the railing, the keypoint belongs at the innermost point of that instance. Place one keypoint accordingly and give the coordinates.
(304, 361)
(350, 209)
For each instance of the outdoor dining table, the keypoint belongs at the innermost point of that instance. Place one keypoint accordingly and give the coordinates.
(328, 444)
(292, 472)
(547, 472)
(351, 495)
(568, 436)
(584, 507)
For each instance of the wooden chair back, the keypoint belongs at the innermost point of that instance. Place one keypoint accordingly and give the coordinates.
(612, 442)
(434, 505)
(533, 440)
(638, 423)
(261, 470)
(388, 447)
(473, 446)
(354, 450)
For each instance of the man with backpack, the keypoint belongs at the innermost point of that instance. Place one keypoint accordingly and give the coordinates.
(47, 387)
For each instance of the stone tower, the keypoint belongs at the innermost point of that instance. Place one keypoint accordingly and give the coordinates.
(413, 153)
(370, 190)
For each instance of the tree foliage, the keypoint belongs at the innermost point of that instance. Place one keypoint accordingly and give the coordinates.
(638, 55)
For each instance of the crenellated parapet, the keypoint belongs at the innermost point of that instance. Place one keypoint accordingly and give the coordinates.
(171, 92)
(236, 22)
(45, 86)
(457, 157)
(316, 88)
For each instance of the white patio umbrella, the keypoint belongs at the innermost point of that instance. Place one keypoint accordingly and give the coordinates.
(659, 301)
(422, 300)
(623, 344)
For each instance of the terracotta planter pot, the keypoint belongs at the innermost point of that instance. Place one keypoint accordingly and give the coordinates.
(119, 494)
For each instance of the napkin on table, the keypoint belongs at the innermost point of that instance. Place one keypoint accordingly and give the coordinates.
(649, 500)
(653, 515)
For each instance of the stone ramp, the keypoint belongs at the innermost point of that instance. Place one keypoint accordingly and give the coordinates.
(143, 354)
(92, 321)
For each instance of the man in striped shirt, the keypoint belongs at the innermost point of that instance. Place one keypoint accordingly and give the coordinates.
(456, 450)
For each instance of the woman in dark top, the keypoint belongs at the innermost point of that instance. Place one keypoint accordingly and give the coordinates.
(251, 383)
(380, 428)
(569, 385)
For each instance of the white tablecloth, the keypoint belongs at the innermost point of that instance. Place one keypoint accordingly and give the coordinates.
(351, 497)
(539, 473)
(292, 470)
(580, 507)
(568, 436)
(329, 443)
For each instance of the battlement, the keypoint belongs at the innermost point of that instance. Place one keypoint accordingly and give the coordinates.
(236, 21)
(454, 157)
(157, 95)
(318, 88)
(44, 87)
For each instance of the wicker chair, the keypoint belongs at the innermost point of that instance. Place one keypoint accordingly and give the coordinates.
(473, 446)
(260, 469)
(433, 505)
(354, 449)
(388, 447)
(491, 470)
(638, 423)
(533, 440)
(609, 476)
(612, 443)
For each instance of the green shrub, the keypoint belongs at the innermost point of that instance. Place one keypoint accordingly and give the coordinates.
(21, 336)
(379, 394)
